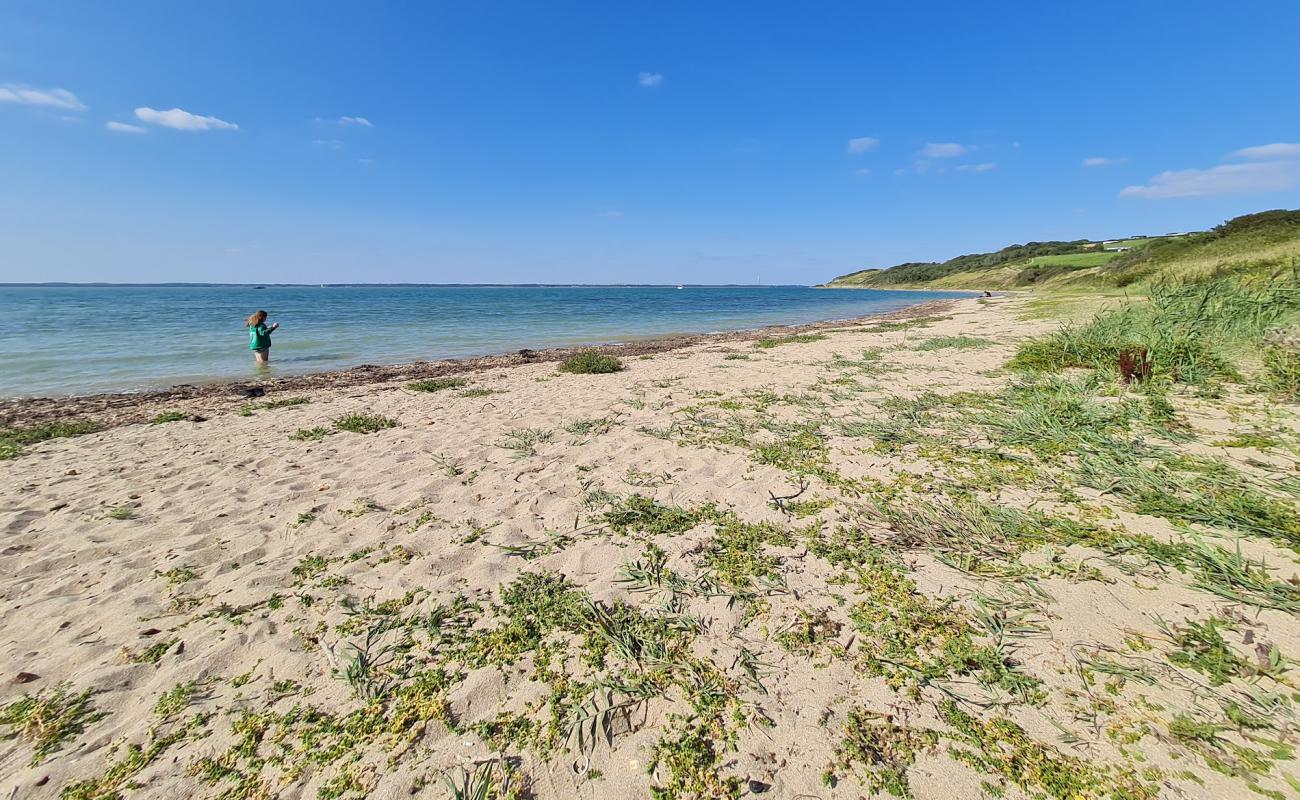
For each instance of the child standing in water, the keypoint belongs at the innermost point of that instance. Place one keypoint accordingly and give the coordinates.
(259, 337)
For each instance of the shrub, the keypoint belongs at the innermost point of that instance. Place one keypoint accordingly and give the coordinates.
(364, 423)
(169, 416)
(590, 362)
(436, 384)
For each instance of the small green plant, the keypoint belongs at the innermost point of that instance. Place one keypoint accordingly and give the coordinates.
(176, 700)
(590, 362)
(177, 575)
(310, 434)
(49, 719)
(436, 384)
(121, 512)
(169, 416)
(286, 402)
(363, 423)
(479, 391)
(524, 441)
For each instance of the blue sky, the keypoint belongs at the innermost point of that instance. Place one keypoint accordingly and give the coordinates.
(622, 142)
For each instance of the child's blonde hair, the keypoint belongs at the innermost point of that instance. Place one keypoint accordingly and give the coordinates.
(257, 319)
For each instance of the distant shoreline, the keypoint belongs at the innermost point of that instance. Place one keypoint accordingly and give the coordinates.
(114, 408)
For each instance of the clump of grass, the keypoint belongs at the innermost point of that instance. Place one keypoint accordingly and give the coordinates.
(736, 357)
(590, 362)
(769, 342)
(363, 423)
(13, 439)
(639, 514)
(1281, 374)
(955, 342)
(49, 719)
(436, 384)
(524, 441)
(1185, 331)
(121, 513)
(809, 632)
(591, 427)
(479, 391)
(1201, 646)
(169, 416)
(310, 434)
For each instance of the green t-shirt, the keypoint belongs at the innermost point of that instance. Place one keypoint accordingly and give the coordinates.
(259, 337)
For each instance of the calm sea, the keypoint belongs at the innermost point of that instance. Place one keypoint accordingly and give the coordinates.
(62, 340)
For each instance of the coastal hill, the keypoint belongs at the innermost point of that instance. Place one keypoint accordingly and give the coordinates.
(1264, 239)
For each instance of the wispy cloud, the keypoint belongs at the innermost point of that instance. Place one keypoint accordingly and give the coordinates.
(327, 144)
(987, 166)
(1271, 168)
(122, 127)
(1268, 152)
(49, 98)
(1103, 161)
(365, 161)
(944, 150)
(1263, 176)
(181, 120)
(865, 172)
(862, 144)
(649, 80)
(361, 121)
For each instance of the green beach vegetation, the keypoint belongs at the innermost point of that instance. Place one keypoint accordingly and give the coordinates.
(590, 362)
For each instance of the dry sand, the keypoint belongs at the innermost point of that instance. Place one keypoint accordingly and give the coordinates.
(229, 558)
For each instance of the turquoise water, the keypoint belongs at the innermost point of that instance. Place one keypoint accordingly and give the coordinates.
(64, 340)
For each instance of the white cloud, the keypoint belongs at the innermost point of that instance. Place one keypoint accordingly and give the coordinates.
(362, 121)
(944, 150)
(50, 98)
(1271, 176)
(365, 161)
(862, 173)
(862, 144)
(122, 127)
(900, 171)
(183, 120)
(328, 144)
(985, 167)
(650, 80)
(1103, 161)
(1268, 152)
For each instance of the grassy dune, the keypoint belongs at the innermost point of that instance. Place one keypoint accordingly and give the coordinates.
(1255, 242)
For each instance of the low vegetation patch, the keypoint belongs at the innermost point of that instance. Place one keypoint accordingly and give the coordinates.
(364, 423)
(955, 342)
(49, 719)
(436, 384)
(590, 362)
(797, 338)
(169, 416)
(13, 439)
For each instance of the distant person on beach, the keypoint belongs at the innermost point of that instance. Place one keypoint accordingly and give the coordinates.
(259, 337)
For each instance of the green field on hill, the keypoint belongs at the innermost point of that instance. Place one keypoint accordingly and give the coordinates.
(1252, 243)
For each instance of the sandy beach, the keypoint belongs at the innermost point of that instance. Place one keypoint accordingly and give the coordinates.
(786, 565)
